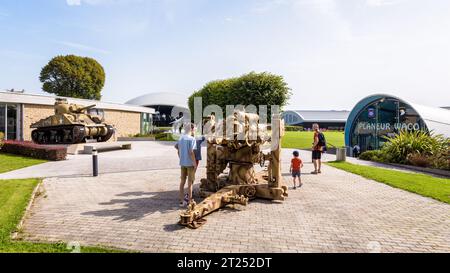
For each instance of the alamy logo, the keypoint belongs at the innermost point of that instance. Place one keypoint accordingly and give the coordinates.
(238, 122)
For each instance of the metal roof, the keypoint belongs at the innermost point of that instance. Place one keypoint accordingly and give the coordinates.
(161, 98)
(25, 98)
(319, 115)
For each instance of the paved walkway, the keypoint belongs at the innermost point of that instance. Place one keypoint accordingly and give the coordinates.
(143, 156)
(332, 212)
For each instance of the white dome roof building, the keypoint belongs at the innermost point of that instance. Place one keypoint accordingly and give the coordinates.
(168, 106)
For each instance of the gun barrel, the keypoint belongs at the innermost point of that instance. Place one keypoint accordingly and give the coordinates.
(88, 107)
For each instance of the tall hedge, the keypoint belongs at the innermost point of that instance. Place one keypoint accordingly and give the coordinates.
(252, 88)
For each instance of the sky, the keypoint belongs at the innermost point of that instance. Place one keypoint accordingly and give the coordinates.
(332, 53)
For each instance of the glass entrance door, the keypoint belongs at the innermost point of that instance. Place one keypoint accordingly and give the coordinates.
(9, 117)
(11, 121)
(3, 119)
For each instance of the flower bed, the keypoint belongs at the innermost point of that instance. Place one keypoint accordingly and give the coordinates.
(30, 149)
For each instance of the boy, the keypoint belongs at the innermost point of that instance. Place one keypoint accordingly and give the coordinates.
(295, 170)
(186, 152)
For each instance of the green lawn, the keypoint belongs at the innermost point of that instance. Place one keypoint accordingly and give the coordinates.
(304, 140)
(425, 185)
(14, 197)
(13, 162)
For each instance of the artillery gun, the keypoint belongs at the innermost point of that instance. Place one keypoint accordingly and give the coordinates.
(70, 125)
(238, 153)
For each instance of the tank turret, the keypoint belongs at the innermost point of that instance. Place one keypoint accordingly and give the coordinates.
(69, 125)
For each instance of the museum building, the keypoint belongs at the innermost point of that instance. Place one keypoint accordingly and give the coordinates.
(18, 110)
(379, 116)
(327, 119)
(168, 106)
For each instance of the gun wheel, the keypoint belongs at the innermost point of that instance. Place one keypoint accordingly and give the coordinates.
(248, 191)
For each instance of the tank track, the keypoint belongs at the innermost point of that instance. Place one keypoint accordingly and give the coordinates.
(69, 134)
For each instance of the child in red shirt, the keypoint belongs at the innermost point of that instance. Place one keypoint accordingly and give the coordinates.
(295, 170)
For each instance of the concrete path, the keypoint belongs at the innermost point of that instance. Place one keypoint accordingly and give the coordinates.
(332, 212)
(143, 156)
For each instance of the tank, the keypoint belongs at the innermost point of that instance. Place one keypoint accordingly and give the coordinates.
(70, 125)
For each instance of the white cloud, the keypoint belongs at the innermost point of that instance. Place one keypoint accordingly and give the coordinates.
(83, 47)
(266, 6)
(100, 2)
(380, 3)
(73, 2)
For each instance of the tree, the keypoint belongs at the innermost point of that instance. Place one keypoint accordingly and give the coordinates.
(73, 76)
(252, 88)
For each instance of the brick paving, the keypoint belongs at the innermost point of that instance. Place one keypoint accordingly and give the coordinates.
(332, 212)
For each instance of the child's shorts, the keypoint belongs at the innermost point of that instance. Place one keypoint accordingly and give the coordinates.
(296, 174)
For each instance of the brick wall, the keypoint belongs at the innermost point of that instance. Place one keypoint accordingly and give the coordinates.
(33, 113)
(126, 123)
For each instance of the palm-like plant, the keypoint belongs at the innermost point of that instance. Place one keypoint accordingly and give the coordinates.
(407, 143)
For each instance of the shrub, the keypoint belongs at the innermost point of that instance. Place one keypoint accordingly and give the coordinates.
(164, 137)
(419, 160)
(405, 143)
(288, 128)
(30, 149)
(376, 155)
(417, 148)
(249, 89)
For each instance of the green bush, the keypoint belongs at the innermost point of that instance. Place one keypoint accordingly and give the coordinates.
(417, 148)
(289, 128)
(406, 143)
(164, 137)
(249, 89)
(376, 155)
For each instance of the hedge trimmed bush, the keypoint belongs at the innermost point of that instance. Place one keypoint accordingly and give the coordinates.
(164, 137)
(376, 155)
(289, 128)
(249, 89)
(30, 149)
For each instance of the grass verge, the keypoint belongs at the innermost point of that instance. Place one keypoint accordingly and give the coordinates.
(422, 184)
(304, 140)
(13, 162)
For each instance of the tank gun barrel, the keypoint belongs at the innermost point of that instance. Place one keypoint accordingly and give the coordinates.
(82, 109)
